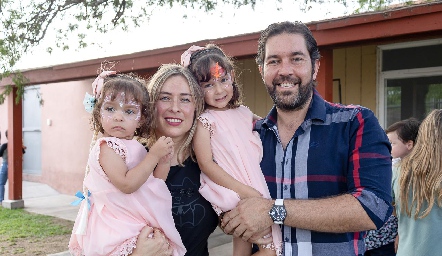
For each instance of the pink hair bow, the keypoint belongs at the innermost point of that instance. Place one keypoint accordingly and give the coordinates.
(185, 57)
(97, 85)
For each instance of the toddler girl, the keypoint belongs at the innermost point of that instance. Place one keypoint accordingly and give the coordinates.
(121, 195)
(227, 150)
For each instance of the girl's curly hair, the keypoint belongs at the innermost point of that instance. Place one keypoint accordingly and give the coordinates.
(134, 88)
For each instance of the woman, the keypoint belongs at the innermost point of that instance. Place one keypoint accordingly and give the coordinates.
(177, 101)
(417, 192)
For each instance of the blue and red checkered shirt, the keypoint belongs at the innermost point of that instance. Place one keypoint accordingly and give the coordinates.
(337, 149)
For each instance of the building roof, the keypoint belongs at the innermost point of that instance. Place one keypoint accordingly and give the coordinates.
(402, 23)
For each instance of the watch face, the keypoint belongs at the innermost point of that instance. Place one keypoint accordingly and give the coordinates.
(278, 213)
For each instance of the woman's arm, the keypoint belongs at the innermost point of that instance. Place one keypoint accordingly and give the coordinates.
(128, 181)
(203, 152)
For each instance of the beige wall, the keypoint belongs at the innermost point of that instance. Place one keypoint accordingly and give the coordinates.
(356, 68)
(66, 142)
(254, 91)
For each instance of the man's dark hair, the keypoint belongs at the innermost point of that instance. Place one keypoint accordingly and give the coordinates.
(288, 27)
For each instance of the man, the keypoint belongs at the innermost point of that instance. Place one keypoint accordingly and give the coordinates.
(330, 163)
(4, 167)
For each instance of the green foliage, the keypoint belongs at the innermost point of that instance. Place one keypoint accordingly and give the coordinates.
(379, 5)
(15, 224)
(18, 80)
(394, 96)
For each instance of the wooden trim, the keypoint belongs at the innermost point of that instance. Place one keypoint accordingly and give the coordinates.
(325, 75)
(15, 143)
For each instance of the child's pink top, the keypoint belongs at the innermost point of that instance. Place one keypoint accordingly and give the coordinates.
(238, 151)
(115, 218)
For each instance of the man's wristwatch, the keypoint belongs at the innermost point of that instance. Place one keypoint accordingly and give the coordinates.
(278, 212)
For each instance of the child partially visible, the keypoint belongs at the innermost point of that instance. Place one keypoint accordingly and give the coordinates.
(4, 166)
(402, 136)
(121, 194)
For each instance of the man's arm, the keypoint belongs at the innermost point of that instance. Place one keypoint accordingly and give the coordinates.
(337, 214)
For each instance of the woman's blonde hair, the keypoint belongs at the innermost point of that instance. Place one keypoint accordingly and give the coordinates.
(154, 87)
(421, 170)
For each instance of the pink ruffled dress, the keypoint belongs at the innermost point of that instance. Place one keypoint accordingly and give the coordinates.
(115, 219)
(238, 151)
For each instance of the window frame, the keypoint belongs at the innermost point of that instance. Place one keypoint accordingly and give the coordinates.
(383, 76)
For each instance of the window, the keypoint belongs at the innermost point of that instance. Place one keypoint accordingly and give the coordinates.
(410, 80)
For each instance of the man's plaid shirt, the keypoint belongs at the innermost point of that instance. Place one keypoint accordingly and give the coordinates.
(337, 149)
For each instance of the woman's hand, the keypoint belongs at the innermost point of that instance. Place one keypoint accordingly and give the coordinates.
(152, 242)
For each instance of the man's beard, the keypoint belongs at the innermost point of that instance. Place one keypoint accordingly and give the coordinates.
(288, 100)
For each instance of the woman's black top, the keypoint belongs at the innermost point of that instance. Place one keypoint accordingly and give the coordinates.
(194, 216)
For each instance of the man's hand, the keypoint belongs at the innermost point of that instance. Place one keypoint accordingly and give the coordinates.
(249, 220)
(152, 243)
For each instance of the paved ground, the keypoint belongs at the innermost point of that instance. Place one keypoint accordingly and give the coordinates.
(42, 199)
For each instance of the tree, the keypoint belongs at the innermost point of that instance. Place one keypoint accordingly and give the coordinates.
(25, 23)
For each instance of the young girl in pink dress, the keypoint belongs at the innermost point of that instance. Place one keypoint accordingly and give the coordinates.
(227, 150)
(121, 194)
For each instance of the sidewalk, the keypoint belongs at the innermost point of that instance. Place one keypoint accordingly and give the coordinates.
(42, 199)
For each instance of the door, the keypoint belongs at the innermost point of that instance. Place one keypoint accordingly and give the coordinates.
(32, 130)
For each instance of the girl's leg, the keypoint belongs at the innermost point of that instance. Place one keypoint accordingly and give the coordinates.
(241, 247)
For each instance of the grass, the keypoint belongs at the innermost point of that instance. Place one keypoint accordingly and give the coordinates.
(18, 224)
